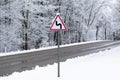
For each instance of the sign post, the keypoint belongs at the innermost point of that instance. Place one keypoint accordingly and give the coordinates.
(58, 53)
(58, 25)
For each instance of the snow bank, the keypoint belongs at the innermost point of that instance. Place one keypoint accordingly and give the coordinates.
(46, 48)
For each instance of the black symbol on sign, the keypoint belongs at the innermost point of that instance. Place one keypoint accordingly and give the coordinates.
(59, 25)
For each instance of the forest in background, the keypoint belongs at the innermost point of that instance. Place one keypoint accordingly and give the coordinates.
(24, 24)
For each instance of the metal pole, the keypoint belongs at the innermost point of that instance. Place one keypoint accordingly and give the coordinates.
(58, 52)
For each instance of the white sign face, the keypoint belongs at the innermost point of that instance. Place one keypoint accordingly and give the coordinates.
(58, 24)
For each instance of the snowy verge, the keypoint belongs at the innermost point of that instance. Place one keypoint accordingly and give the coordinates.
(46, 48)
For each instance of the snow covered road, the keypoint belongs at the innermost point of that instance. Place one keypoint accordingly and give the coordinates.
(104, 65)
(29, 59)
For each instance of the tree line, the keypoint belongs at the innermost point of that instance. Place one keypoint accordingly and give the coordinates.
(24, 24)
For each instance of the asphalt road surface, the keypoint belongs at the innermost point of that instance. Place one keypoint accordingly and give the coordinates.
(27, 61)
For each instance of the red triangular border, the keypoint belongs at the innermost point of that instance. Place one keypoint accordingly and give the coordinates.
(58, 16)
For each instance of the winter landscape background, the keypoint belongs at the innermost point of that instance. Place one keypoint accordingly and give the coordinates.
(24, 24)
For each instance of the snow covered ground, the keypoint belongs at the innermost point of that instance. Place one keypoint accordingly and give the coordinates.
(104, 65)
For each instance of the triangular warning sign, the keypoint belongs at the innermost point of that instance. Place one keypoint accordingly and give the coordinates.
(58, 24)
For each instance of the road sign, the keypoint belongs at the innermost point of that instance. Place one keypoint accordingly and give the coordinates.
(58, 24)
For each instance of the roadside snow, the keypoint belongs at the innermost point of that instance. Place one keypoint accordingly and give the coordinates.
(104, 65)
(46, 48)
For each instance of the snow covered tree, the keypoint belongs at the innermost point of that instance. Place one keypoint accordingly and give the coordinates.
(9, 40)
(116, 34)
(27, 26)
(39, 22)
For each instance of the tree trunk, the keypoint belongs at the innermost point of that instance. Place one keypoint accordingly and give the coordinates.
(25, 27)
(105, 33)
(113, 35)
(97, 31)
